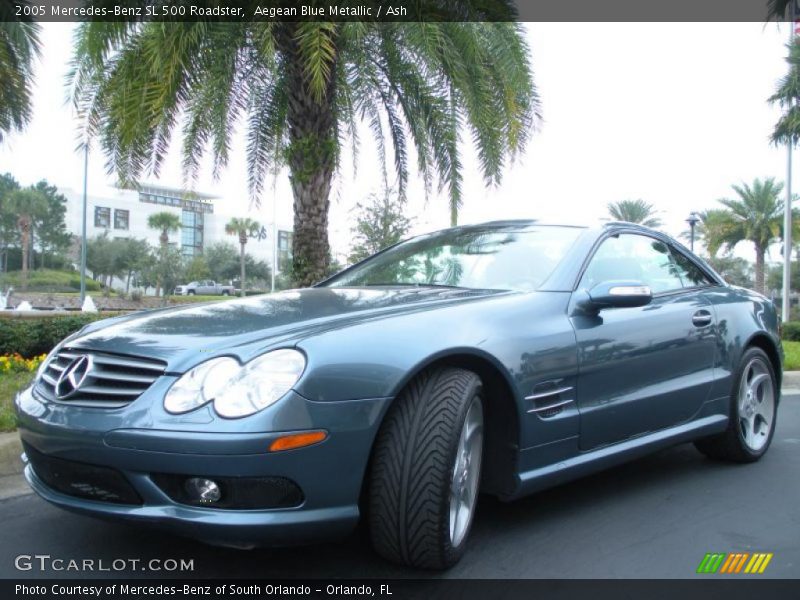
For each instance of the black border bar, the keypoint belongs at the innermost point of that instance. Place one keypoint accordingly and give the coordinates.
(397, 10)
(467, 589)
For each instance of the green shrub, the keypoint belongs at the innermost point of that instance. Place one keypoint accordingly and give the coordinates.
(33, 336)
(791, 331)
(48, 280)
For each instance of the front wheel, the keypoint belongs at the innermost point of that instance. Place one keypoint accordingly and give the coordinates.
(190, 293)
(426, 470)
(753, 411)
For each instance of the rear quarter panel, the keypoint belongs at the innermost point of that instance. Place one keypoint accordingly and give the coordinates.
(741, 316)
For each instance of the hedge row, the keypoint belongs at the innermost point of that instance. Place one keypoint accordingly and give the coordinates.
(31, 337)
(791, 331)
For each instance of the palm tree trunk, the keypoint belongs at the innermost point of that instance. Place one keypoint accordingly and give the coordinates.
(25, 230)
(164, 239)
(241, 267)
(311, 163)
(760, 269)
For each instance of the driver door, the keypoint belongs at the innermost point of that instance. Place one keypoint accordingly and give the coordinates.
(646, 368)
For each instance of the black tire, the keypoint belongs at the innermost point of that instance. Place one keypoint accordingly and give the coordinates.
(190, 293)
(412, 469)
(730, 445)
(226, 293)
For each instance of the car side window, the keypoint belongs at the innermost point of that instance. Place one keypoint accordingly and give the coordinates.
(690, 273)
(633, 257)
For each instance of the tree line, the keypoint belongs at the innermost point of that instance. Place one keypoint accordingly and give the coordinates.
(34, 235)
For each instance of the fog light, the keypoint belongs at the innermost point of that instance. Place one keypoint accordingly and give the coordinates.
(203, 490)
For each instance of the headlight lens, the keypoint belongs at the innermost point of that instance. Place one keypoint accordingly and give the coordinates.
(261, 382)
(235, 390)
(200, 385)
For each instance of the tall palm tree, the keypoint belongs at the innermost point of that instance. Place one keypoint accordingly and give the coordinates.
(166, 222)
(28, 204)
(243, 228)
(634, 211)
(787, 96)
(708, 229)
(302, 90)
(756, 215)
(19, 46)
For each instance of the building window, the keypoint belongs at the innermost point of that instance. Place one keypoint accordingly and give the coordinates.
(121, 218)
(184, 203)
(102, 217)
(191, 233)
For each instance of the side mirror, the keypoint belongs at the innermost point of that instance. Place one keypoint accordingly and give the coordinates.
(618, 294)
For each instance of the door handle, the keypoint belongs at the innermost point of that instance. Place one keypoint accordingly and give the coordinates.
(702, 318)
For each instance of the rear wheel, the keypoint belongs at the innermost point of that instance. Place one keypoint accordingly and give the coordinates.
(225, 292)
(754, 404)
(426, 470)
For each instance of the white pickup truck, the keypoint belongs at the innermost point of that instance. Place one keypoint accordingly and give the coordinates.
(204, 288)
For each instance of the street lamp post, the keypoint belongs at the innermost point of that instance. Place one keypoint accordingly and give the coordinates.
(83, 226)
(693, 220)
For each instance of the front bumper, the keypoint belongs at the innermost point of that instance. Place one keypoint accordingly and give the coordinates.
(330, 474)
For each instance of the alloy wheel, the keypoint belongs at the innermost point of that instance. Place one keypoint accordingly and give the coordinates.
(756, 404)
(466, 473)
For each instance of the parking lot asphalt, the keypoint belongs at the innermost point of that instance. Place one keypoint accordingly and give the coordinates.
(653, 518)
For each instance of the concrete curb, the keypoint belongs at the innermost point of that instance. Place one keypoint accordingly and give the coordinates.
(10, 449)
(791, 379)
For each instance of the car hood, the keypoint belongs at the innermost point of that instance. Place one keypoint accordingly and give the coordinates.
(183, 336)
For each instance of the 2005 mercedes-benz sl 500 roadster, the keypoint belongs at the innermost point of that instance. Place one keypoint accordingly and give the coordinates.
(500, 358)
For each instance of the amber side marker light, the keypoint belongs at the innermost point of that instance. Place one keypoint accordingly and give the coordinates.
(297, 440)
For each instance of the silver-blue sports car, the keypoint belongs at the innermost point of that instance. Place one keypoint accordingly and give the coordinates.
(499, 359)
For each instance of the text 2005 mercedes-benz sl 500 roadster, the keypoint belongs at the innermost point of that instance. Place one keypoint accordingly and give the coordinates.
(500, 358)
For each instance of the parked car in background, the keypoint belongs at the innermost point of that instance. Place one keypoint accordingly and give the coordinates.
(501, 359)
(205, 288)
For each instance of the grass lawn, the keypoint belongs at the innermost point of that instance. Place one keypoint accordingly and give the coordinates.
(10, 384)
(791, 360)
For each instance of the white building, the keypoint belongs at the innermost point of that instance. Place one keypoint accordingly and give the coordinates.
(124, 213)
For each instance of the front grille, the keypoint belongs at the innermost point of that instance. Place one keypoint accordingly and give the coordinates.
(111, 381)
(82, 480)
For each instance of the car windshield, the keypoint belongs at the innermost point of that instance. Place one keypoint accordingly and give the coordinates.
(515, 257)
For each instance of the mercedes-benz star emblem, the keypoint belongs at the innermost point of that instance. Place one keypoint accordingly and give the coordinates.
(71, 378)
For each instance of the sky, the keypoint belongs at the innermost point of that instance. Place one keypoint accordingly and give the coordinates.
(673, 113)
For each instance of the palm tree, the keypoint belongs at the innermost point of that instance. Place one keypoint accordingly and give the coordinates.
(243, 228)
(302, 89)
(27, 204)
(756, 215)
(166, 222)
(634, 211)
(19, 45)
(787, 129)
(708, 229)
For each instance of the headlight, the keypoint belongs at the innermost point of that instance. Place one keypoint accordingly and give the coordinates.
(261, 382)
(237, 391)
(200, 385)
